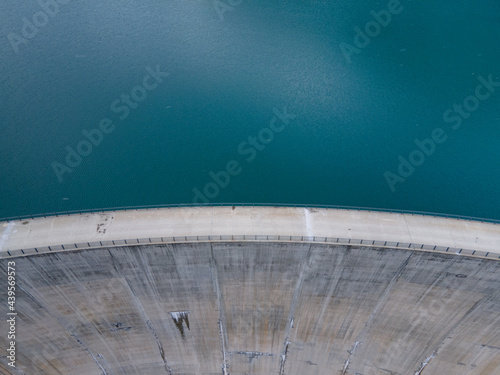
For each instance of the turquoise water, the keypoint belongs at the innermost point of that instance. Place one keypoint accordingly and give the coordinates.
(228, 74)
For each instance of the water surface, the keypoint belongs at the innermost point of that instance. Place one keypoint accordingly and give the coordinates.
(353, 119)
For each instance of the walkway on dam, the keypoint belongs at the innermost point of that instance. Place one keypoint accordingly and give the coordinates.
(244, 220)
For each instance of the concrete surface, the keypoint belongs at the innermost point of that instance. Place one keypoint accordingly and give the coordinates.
(255, 308)
(236, 308)
(118, 225)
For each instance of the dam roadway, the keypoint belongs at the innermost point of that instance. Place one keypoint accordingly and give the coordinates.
(252, 290)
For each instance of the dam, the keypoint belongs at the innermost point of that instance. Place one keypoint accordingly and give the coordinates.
(252, 290)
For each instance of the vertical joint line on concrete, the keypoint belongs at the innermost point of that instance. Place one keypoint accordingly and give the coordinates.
(407, 228)
(293, 305)
(222, 320)
(224, 361)
(382, 299)
(451, 331)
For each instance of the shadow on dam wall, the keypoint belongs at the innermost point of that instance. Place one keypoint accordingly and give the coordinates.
(254, 308)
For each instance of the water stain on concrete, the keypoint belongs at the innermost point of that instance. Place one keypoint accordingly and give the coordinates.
(179, 318)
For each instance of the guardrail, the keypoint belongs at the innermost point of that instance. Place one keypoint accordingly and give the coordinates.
(246, 238)
(129, 208)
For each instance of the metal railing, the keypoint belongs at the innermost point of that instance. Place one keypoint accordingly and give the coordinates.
(247, 238)
(153, 207)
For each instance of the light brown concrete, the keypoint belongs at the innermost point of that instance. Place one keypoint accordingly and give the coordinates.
(200, 221)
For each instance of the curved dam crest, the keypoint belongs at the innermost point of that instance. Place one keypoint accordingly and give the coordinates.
(258, 221)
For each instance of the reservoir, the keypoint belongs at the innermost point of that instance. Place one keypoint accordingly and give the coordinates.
(385, 104)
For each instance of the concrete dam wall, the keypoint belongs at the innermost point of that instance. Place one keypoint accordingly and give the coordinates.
(256, 308)
(252, 307)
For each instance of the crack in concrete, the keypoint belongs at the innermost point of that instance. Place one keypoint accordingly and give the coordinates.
(145, 316)
(160, 347)
(255, 354)
(351, 353)
(283, 358)
(88, 351)
(490, 347)
(425, 363)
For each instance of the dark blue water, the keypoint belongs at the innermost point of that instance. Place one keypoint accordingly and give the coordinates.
(227, 72)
